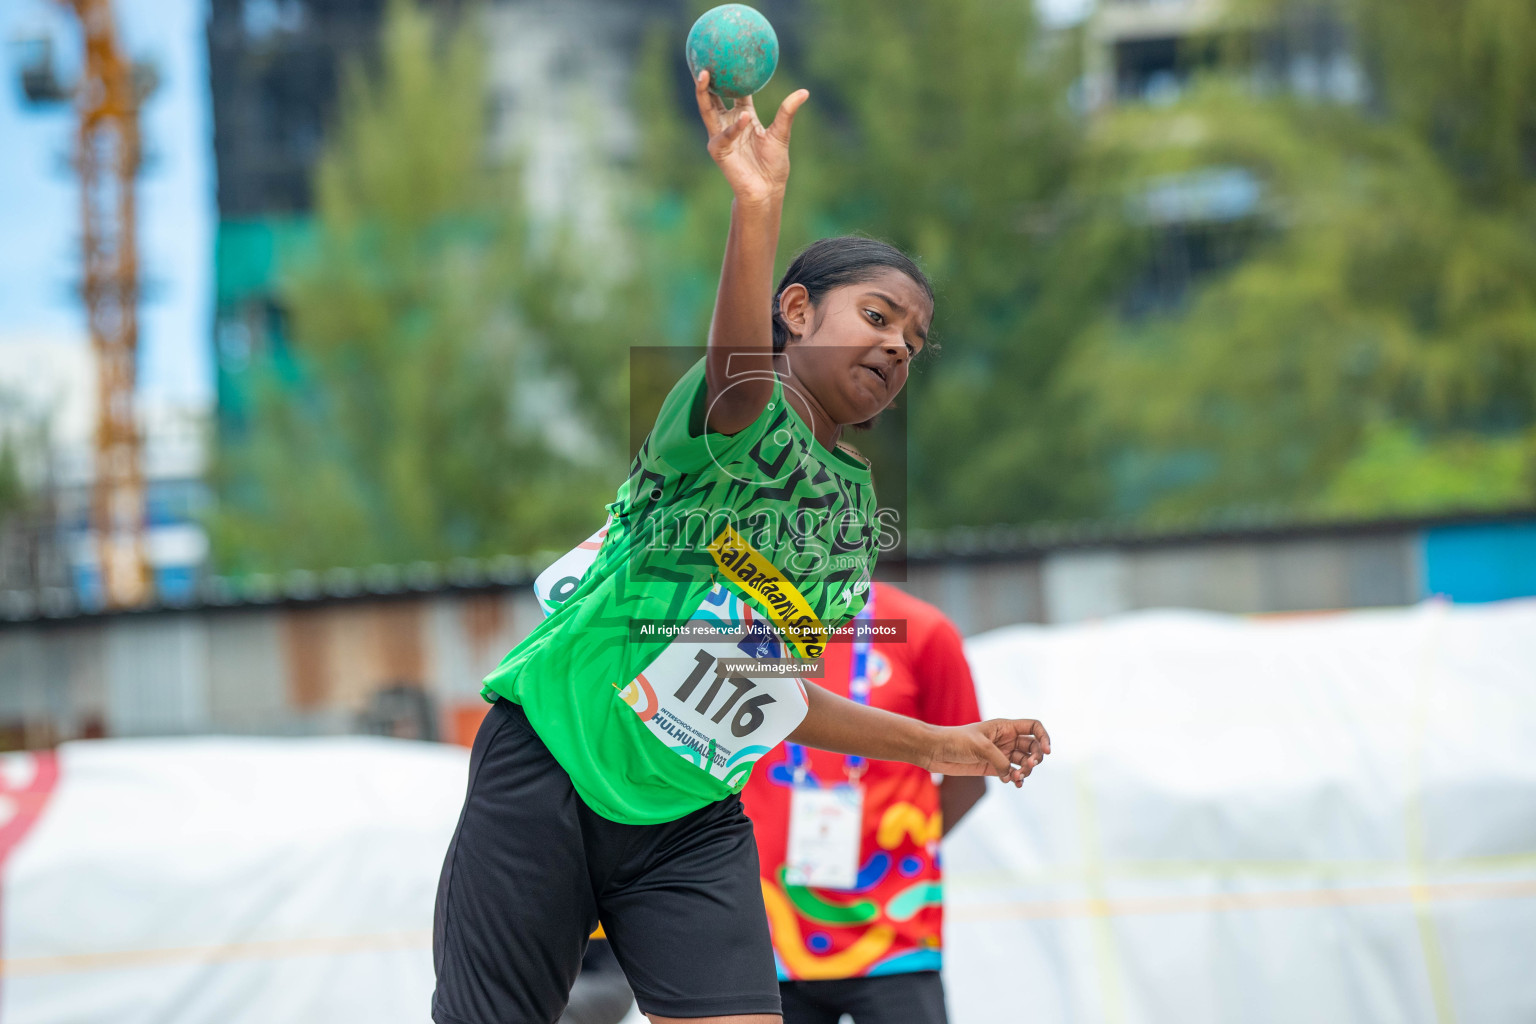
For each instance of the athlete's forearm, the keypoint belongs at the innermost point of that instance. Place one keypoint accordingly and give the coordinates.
(838, 724)
(741, 331)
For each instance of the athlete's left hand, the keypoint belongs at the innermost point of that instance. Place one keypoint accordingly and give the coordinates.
(1009, 748)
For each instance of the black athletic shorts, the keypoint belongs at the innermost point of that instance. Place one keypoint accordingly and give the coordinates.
(915, 998)
(532, 869)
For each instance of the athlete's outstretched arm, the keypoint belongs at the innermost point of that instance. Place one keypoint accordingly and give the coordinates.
(755, 162)
(1009, 748)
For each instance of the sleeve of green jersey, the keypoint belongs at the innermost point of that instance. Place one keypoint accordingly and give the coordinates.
(682, 436)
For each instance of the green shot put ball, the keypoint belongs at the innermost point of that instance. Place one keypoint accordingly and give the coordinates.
(736, 45)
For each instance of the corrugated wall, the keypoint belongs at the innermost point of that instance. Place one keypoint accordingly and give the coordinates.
(313, 668)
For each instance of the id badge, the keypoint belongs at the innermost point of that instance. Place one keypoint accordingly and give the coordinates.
(825, 826)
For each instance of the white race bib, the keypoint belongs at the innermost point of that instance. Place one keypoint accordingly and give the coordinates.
(558, 582)
(722, 725)
(825, 827)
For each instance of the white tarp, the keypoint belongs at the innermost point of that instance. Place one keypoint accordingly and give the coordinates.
(230, 881)
(1321, 818)
(1327, 818)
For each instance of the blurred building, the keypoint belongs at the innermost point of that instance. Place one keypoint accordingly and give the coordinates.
(1148, 52)
(49, 405)
(556, 69)
(1144, 51)
(274, 68)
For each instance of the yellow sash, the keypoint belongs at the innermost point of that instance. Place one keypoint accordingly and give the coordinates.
(788, 608)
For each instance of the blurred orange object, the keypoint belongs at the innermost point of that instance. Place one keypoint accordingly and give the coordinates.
(464, 721)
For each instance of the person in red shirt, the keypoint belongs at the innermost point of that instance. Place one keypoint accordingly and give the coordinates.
(854, 895)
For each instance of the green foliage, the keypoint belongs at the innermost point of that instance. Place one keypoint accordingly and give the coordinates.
(1396, 472)
(1385, 285)
(1383, 315)
(1363, 343)
(23, 439)
(435, 414)
(13, 492)
(1460, 76)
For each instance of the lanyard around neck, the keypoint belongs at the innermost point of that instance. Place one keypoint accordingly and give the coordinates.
(858, 690)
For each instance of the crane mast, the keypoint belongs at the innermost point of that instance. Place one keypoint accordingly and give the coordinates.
(107, 158)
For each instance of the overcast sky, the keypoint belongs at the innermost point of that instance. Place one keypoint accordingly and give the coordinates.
(39, 198)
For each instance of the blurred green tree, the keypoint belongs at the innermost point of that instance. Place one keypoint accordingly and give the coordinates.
(13, 492)
(24, 438)
(1372, 349)
(455, 394)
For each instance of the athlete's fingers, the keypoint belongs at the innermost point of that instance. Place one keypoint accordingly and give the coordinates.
(724, 141)
(1037, 729)
(988, 752)
(737, 125)
(1012, 744)
(1028, 753)
(785, 118)
(1033, 727)
(711, 107)
(745, 103)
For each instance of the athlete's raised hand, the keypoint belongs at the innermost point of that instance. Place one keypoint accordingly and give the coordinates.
(754, 159)
(1009, 748)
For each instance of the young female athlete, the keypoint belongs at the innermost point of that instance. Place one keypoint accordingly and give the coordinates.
(603, 784)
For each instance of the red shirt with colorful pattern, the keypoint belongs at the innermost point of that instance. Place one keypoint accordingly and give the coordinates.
(891, 922)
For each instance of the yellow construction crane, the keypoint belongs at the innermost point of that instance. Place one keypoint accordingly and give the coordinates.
(106, 159)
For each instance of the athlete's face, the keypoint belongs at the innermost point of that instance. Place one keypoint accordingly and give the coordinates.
(852, 349)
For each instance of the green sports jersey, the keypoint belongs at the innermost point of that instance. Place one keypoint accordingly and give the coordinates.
(766, 535)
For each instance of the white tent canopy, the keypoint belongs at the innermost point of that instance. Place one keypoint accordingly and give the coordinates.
(1314, 818)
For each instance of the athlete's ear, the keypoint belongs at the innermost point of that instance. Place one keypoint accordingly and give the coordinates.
(795, 309)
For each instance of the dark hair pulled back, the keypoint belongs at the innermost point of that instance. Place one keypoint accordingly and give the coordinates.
(831, 262)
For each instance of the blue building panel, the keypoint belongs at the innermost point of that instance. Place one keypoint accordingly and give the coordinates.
(176, 584)
(1483, 562)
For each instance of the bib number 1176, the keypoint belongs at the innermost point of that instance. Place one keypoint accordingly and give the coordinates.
(750, 713)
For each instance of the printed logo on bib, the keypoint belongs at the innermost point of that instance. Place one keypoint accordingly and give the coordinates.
(761, 643)
(720, 724)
